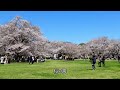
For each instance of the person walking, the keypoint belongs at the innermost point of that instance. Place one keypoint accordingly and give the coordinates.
(100, 60)
(118, 58)
(93, 62)
(30, 59)
(9, 58)
(103, 60)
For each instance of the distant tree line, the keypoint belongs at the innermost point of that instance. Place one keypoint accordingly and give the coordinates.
(20, 37)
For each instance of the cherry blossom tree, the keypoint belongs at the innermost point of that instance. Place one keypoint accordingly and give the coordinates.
(20, 36)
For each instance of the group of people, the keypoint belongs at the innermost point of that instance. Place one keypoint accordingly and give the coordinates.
(101, 59)
(32, 59)
(5, 59)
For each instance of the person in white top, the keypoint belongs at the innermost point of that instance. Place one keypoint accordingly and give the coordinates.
(33, 58)
(2, 59)
(55, 56)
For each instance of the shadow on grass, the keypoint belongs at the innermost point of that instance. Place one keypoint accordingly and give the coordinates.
(90, 69)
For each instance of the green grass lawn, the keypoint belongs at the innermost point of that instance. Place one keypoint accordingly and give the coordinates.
(78, 69)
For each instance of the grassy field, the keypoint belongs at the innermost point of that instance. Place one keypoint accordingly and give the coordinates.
(78, 69)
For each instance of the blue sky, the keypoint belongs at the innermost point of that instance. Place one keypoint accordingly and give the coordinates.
(71, 26)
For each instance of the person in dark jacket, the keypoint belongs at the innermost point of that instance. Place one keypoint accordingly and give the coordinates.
(119, 58)
(93, 62)
(9, 58)
(30, 59)
(103, 60)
